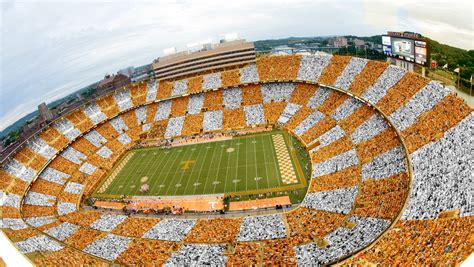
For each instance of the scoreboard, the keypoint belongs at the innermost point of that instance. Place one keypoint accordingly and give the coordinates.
(410, 47)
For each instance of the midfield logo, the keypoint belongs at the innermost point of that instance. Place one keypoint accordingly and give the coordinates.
(186, 164)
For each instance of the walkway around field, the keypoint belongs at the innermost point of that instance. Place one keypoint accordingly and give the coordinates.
(259, 203)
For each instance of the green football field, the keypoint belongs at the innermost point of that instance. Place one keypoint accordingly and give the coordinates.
(244, 164)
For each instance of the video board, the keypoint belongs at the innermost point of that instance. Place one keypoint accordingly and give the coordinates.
(405, 48)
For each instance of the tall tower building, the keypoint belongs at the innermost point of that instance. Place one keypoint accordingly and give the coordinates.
(44, 113)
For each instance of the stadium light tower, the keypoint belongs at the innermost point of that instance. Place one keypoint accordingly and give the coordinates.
(169, 51)
(231, 37)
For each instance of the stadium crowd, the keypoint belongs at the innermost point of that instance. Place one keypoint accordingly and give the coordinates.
(360, 187)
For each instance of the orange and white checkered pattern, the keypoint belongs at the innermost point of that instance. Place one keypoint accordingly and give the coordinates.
(288, 174)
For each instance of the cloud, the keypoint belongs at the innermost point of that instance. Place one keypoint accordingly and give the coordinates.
(55, 48)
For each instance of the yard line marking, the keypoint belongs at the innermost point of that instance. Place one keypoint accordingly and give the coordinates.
(154, 177)
(255, 158)
(237, 167)
(207, 178)
(147, 169)
(200, 169)
(129, 176)
(265, 161)
(183, 172)
(227, 167)
(246, 171)
(176, 170)
(160, 179)
(218, 168)
(185, 192)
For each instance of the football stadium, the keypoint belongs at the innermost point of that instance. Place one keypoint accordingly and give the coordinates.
(226, 157)
(243, 165)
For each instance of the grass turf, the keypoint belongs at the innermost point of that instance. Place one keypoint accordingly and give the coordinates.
(245, 164)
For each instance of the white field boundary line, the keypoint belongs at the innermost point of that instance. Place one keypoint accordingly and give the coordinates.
(203, 142)
(177, 197)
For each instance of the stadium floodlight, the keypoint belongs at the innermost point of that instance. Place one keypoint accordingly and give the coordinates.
(206, 42)
(231, 36)
(193, 47)
(169, 51)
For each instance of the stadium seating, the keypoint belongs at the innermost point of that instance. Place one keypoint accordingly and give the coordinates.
(390, 155)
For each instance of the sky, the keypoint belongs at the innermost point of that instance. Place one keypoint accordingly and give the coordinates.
(49, 49)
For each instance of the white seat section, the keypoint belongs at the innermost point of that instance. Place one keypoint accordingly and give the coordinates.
(39, 243)
(175, 126)
(347, 108)
(442, 177)
(212, 120)
(94, 113)
(179, 87)
(342, 241)
(336, 163)
(338, 200)
(73, 155)
(318, 97)
(151, 90)
(369, 128)
(334, 134)
(108, 247)
(18, 170)
(352, 69)
(39, 146)
(428, 97)
(62, 231)
(40, 220)
(232, 98)
(170, 230)
(67, 128)
(123, 99)
(9, 200)
(211, 81)
(104, 152)
(198, 254)
(389, 78)
(140, 114)
(124, 139)
(289, 111)
(95, 138)
(309, 122)
(262, 228)
(277, 92)
(54, 175)
(13, 224)
(87, 168)
(64, 208)
(387, 164)
(39, 199)
(108, 222)
(254, 114)
(249, 74)
(118, 124)
(311, 66)
(74, 188)
(195, 103)
(163, 111)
